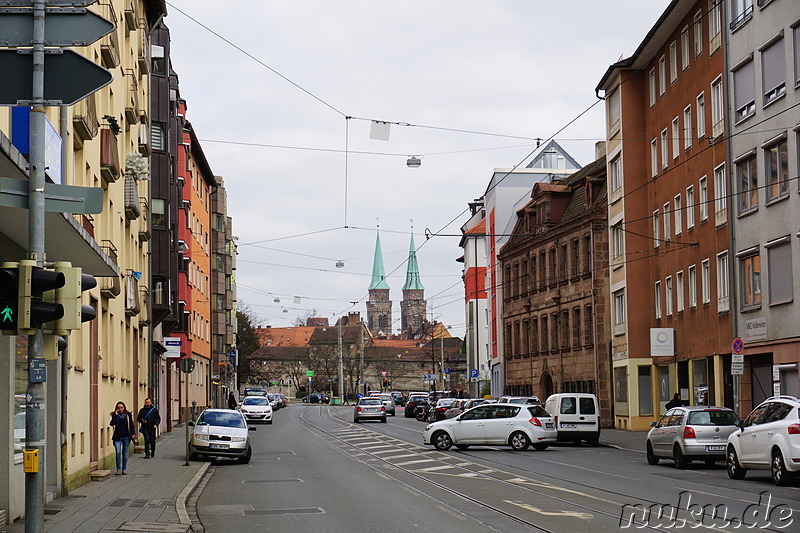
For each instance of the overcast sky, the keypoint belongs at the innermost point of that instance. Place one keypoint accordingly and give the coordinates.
(516, 68)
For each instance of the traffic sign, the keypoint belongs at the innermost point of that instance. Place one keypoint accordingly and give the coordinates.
(59, 198)
(473, 373)
(48, 3)
(37, 370)
(447, 370)
(384, 373)
(68, 77)
(737, 369)
(63, 28)
(737, 358)
(737, 345)
(187, 365)
(310, 373)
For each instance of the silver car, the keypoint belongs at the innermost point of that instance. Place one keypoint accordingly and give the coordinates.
(388, 401)
(221, 433)
(257, 409)
(686, 434)
(369, 409)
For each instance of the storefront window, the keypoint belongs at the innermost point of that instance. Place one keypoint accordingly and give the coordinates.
(645, 391)
(700, 375)
(20, 389)
(621, 389)
(663, 384)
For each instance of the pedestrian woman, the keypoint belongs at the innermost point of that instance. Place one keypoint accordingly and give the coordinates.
(232, 403)
(124, 433)
(674, 402)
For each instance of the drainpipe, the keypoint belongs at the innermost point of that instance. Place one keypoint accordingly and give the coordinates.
(64, 358)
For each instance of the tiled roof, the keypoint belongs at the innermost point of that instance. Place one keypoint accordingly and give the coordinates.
(294, 337)
(477, 229)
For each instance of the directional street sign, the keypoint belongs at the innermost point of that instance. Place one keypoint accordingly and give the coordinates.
(68, 77)
(60, 198)
(48, 3)
(69, 28)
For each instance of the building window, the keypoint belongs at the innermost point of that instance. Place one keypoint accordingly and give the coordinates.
(545, 334)
(667, 223)
(662, 75)
(523, 272)
(701, 115)
(796, 33)
(619, 307)
(562, 267)
(668, 295)
(692, 287)
(714, 22)
(657, 300)
(773, 71)
(687, 127)
(587, 254)
(534, 335)
(673, 61)
(613, 107)
(698, 33)
(750, 268)
(656, 230)
(722, 282)
(575, 258)
(157, 140)
(717, 108)
(652, 87)
(690, 207)
(679, 291)
(676, 138)
(542, 269)
(158, 212)
(664, 149)
(777, 160)
(685, 47)
(589, 329)
(577, 336)
(741, 11)
(555, 333)
(654, 158)
(747, 178)
(705, 273)
(703, 199)
(779, 271)
(720, 194)
(159, 62)
(616, 174)
(677, 209)
(744, 91)
(618, 238)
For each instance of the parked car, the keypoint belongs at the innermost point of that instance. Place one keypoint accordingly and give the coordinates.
(768, 439)
(694, 433)
(388, 401)
(523, 400)
(414, 400)
(221, 433)
(577, 416)
(515, 425)
(399, 399)
(257, 409)
(255, 391)
(437, 410)
(369, 409)
(317, 397)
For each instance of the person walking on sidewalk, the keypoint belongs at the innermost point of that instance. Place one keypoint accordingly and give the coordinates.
(124, 433)
(232, 403)
(149, 418)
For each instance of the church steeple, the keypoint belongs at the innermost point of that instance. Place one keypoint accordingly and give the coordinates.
(412, 271)
(413, 306)
(378, 272)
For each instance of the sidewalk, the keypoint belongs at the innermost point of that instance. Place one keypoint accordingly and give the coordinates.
(152, 497)
(623, 440)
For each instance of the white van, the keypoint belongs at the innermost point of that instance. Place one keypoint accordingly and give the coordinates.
(577, 416)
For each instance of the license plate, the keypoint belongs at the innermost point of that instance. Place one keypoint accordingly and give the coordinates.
(371, 410)
(548, 425)
(220, 446)
(715, 448)
(569, 426)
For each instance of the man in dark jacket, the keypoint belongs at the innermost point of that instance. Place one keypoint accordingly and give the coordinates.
(149, 418)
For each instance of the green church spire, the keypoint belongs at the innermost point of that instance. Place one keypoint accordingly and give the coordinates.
(378, 272)
(412, 273)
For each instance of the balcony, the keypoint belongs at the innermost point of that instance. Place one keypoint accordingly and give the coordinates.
(132, 208)
(144, 138)
(109, 156)
(144, 224)
(84, 121)
(132, 109)
(144, 314)
(110, 286)
(132, 17)
(132, 305)
(144, 57)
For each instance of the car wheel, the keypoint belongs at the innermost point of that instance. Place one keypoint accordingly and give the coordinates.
(356, 420)
(779, 474)
(540, 447)
(519, 441)
(420, 416)
(462, 447)
(246, 458)
(735, 470)
(594, 441)
(442, 441)
(193, 456)
(383, 419)
(679, 458)
(651, 455)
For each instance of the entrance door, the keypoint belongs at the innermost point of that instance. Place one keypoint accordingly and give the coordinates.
(761, 374)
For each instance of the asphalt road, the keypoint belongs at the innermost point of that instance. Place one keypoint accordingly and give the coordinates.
(313, 470)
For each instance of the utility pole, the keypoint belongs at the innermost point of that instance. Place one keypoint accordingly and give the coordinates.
(341, 364)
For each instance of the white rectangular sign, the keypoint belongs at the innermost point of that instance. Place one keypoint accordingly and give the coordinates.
(662, 342)
(737, 369)
(755, 329)
(173, 346)
(737, 358)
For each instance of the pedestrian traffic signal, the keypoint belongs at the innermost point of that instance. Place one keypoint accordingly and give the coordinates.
(9, 298)
(34, 309)
(69, 297)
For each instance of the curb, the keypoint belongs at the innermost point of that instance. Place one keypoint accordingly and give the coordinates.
(180, 503)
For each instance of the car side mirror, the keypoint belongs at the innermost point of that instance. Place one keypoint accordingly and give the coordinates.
(190, 423)
(739, 424)
(653, 424)
(251, 428)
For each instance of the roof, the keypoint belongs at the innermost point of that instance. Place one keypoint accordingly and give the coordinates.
(378, 272)
(477, 229)
(550, 147)
(412, 272)
(297, 337)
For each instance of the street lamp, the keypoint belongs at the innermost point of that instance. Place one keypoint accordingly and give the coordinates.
(413, 162)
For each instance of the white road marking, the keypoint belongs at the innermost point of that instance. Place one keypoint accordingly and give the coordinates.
(435, 468)
(570, 514)
(393, 457)
(404, 463)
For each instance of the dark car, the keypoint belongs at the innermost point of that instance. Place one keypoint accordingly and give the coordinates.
(413, 403)
(399, 399)
(317, 397)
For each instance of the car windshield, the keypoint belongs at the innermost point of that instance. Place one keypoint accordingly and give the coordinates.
(370, 401)
(255, 401)
(220, 418)
(712, 418)
(444, 402)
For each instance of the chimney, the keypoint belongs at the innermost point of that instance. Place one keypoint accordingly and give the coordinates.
(599, 149)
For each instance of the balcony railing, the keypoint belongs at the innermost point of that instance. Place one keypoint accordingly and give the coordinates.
(132, 209)
(84, 121)
(144, 314)
(110, 286)
(109, 45)
(132, 108)
(109, 156)
(144, 57)
(132, 16)
(144, 224)
(132, 305)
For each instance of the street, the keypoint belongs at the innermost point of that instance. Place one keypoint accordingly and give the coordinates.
(314, 470)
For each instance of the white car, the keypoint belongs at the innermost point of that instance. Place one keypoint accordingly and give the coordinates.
(221, 433)
(257, 409)
(388, 402)
(518, 426)
(768, 439)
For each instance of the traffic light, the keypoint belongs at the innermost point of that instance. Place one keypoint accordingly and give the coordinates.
(34, 282)
(69, 297)
(9, 297)
(385, 383)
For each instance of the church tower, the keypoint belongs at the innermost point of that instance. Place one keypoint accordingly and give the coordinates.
(413, 306)
(379, 306)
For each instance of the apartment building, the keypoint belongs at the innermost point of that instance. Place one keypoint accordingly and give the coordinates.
(763, 74)
(668, 216)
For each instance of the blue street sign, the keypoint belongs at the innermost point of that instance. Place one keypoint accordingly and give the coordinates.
(473, 373)
(37, 371)
(447, 370)
(360, 395)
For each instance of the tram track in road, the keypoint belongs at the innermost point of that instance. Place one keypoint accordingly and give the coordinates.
(395, 453)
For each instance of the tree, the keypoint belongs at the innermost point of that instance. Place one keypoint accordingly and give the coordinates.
(247, 341)
(302, 320)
